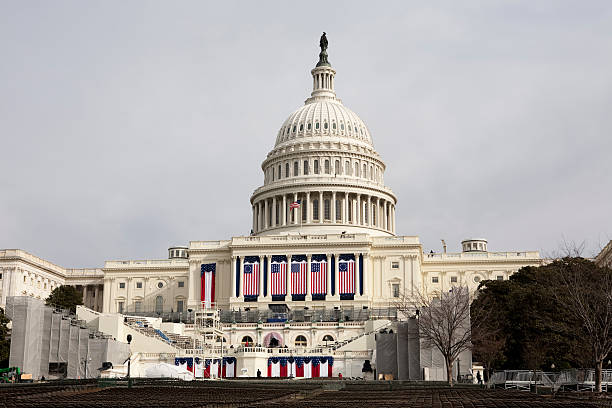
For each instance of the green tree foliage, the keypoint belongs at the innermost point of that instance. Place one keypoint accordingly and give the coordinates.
(5, 342)
(66, 297)
(531, 322)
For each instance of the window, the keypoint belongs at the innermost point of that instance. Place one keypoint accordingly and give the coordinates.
(334, 125)
(309, 126)
(24, 279)
(327, 339)
(434, 279)
(295, 169)
(247, 341)
(500, 277)
(350, 211)
(181, 284)
(325, 126)
(316, 167)
(337, 167)
(44, 284)
(371, 173)
(0, 276)
(286, 169)
(396, 290)
(272, 173)
(394, 265)
(342, 126)
(160, 285)
(138, 306)
(317, 125)
(304, 210)
(326, 209)
(138, 285)
(315, 209)
(120, 307)
(305, 167)
(453, 279)
(356, 169)
(300, 341)
(338, 210)
(121, 285)
(179, 306)
(347, 168)
(159, 304)
(327, 169)
(365, 171)
(301, 127)
(279, 172)
(294, 128)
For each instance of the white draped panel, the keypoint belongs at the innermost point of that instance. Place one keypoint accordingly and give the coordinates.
(199, 369)
(323, 369)
(308, 370)
(276, 369)
(230, 369)
(214, 369)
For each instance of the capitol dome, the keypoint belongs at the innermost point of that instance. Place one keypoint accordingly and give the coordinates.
(323, 174)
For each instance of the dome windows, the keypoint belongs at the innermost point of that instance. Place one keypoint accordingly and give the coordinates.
(316, 167)
(309, 126)
(295, 169)
(301, 127)
(334, 125)
(342, 126)
(286, 169)
(294, 128)
(317, 126)
(305, 167)
(325, 125)
(327, 167)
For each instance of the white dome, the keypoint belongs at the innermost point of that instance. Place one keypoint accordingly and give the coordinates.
(321, 119)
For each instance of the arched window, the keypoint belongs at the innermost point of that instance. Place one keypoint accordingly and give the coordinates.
(316, 167)
(280, 176)
(326, 209)
(304, 210)
(338, 210)
(347, 168)
(328, 339)
(371, 173)
(365, 171)
(337, 167)
(350, 211)
(334, 125)
(342, 126)
(300, 341)
(296, 171)
(159, 304)
(301, 127)
(326, 166)
(325, 125)
(247, 341)
(309, 126)
(374, 208)
(305, 167)
(315, 209)
(286, 169)
(356, 169)
(294, 128)
(272, 173)
(317, 125)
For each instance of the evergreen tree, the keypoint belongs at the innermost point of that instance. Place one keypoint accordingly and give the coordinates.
(65, 297)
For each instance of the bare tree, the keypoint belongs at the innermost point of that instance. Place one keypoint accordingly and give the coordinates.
(444, 322)
(587, 292)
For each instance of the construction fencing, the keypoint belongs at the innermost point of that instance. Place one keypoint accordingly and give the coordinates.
(574, 379)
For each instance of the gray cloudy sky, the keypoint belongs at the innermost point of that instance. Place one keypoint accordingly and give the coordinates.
(127, 127)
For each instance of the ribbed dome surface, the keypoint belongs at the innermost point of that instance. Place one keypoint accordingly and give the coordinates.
(323, 118)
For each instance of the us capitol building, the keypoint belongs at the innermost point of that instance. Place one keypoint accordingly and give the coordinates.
(322, 266)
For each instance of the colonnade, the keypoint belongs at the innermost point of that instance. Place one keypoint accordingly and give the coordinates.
(359, 289)
(324, 207)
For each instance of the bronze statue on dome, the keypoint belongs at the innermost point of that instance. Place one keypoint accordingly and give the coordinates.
(323, 54)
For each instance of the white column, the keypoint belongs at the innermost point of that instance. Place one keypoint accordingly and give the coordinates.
(261, 279)
(366, 275)
(357, 270)
(97, 298)
(284, 212)
(288, 280)
(269, 280)
(328, 277)
(308, 208)
(254, 219)
(233, 278)
(333, 207)
(275, 221)
(336, 276)
(259, 215)
(346, 208)
(321, 207)
(359, 210)
(266, 214)
(240, 269)
(308, 291)
(393, 217)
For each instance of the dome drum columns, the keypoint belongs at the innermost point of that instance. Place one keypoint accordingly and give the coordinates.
(324, 208)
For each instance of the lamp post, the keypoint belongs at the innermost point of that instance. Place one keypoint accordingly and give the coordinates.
(129, 340)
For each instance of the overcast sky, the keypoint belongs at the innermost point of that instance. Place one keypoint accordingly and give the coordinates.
(130, 126)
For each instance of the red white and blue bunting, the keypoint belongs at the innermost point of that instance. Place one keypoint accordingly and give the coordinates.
(209, 367)
(301, 367)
